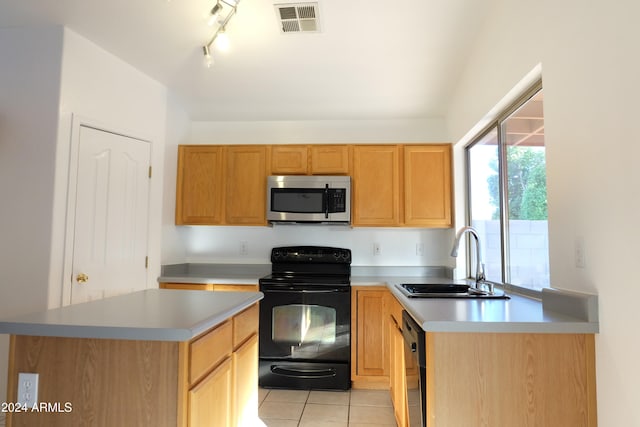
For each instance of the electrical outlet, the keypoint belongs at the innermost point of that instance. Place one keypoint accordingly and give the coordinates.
(27, 389)
(244, 248)
(419, 249)
(377, 250)
(581, 258)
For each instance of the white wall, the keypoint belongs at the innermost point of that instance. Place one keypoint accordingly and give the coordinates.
(222, 244)
(589, 69)
(398, 245)
(29, 93)
(178, 125)
(100, 89)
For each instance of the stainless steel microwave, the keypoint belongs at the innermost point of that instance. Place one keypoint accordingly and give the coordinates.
(309, 199)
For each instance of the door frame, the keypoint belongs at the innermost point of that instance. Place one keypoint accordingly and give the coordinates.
(77, 122)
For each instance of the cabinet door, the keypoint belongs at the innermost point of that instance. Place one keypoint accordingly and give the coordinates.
(245, 378)
(199, 185)
(396, 372)
(329, 159)
(246, 185)
(210, 401)
(376, 185)
(289, 159)
(370, 346)
(427, 185)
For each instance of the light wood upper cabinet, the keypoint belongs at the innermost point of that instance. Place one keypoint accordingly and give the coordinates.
(376, 185)
(427, 185)
(246, 184)
(318, 159)
(199, 188)
(392, 184)
(289, 160)
(221, 185)
(329, 159)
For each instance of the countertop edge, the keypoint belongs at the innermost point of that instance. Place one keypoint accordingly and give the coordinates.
(141, 333)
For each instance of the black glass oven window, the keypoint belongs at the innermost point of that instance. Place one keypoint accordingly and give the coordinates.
(297, 200)
(303, 324)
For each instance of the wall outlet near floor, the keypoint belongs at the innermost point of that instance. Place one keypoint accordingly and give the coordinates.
(377, 250)
(27, 389)
(244, 248)
(419, 249)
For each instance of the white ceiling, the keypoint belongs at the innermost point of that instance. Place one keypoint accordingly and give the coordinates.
(372, 59)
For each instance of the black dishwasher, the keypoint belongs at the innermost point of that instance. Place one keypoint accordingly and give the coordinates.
(415, 370)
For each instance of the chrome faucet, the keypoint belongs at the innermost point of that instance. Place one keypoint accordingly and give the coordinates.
(480, 277)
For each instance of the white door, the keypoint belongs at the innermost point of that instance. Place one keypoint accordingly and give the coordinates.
(111, 215)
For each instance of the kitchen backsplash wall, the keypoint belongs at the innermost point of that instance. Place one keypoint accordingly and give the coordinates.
(249, 245)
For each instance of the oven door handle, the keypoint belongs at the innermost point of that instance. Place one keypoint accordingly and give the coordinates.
(306, 291)
(303, 373)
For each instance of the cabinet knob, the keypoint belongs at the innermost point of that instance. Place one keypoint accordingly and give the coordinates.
(82, 278)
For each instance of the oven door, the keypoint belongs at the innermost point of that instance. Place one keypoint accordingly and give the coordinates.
(305, 323)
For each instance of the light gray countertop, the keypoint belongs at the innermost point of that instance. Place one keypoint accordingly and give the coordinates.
(229, 274)
(519, 314)
(149, 315)
(557, 311)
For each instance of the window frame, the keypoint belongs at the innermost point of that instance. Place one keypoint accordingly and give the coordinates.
(496, 124)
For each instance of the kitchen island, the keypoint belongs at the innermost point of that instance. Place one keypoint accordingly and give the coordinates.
(150, 358)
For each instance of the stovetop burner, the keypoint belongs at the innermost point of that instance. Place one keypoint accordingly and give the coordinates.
(313, 265)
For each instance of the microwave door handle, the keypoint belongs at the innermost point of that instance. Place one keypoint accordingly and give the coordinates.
(326, 201)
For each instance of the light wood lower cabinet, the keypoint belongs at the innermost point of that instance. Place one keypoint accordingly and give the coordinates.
(508, 379)
(397, 383)
(245, 371)
(210, 401)
(210, 287)
(370, 337)
(497, 379)
(211, 380)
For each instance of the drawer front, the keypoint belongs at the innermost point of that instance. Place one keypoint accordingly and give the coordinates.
(245, 324)
(395, 309)
(208, 350)
(187, 286)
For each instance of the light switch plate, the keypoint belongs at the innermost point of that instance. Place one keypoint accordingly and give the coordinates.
(27, 389)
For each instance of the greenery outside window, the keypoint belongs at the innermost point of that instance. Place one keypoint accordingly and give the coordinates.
(507, 195)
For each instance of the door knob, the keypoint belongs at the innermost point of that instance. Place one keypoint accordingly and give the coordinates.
(82, 278)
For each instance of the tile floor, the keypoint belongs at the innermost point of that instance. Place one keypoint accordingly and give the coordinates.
(353, 408)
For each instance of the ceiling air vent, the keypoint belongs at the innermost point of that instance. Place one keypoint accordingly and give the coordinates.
(298, 17)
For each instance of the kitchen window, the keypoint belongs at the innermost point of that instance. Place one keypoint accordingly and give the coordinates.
(507, 195)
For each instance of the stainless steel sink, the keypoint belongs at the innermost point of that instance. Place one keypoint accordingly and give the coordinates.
(447, 290)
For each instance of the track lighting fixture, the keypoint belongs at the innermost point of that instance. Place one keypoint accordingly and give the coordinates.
(208, 59)
(214, 14)
(222, 16)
